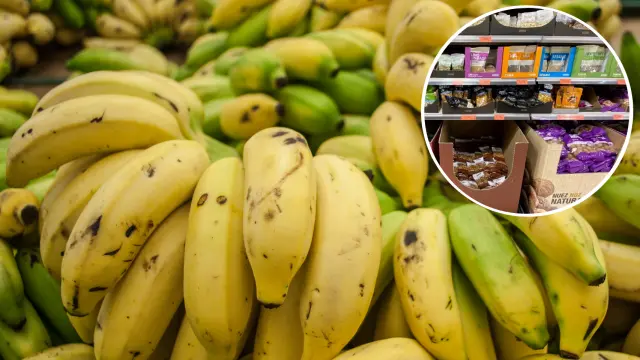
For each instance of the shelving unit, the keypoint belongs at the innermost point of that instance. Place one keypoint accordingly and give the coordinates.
(485, 82)
(525, 39)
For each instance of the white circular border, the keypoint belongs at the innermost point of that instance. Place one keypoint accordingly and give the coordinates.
(583, 198)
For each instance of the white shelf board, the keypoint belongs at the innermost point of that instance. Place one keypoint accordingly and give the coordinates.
(582, 116)
(513, 39)
(582, 81)
(441, 116)
(465, 81)
(574, 40)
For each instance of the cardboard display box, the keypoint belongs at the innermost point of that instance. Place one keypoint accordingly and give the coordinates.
(496, 28)
(505, 65)
(480, 29)
(504, 197)
(589, 95)
(487, 109)
(566, 73)
(580, 55)
(555, 190)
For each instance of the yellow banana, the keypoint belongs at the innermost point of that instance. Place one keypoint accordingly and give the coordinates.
(12, 25)
(187, 346)
(279, 209)
(24, 55)
(349, 146)
(400, 150)
(229, 13)
(405, 80)
(380, 64)
(609, 27)
(135, 314)
(111, 44)
(224, 283)
(396, 12)
(279, 335)
(352, 52)
(630, 163)
(120, 217)
(390, 321)
(163, 11)
(508, 346)
(84, 126)
(41, 28)
(19, 211)
(110, 26)
(65, 352)
(20, 7)
(165, 347)
(130, 11)
(422, 268)
(371, 17)
(631, 344)
(344, 258)
(152, 58)
(604, 222)
(85, 326)
(623, 270)
(285, 15)
(349, 5)
(323, 19)
(67, 207)
(68, 36)
(389, 349)
(305, 58)
(245, 115)
(610, 355)
(476, 8)
(372, 38)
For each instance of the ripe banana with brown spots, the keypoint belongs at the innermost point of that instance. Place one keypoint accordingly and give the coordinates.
(110, 26)
(405, 80)
(19, 211)
(279, 209)
(120, 217)
(245, 115)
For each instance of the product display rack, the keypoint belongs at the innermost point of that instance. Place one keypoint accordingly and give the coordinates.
(525, 39)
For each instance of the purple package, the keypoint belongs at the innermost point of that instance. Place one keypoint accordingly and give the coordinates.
(564, 152)
(571, 166)
(602, 166)
(590, 131)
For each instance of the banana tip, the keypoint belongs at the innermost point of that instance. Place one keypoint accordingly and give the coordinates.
(281, 82)
(599, 281)
(29, 215)
(597, 12)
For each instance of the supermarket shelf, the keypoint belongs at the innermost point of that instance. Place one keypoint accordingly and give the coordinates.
(582, 81)
(571, 40)
(465, 81)
(441, 116)
(581, 116)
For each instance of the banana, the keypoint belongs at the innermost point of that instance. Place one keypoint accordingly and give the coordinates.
(630, 163)
(390, 321)
(285, 15)
(187, 346)
(308, 110)
(185, 10)
(508, 346)
(206, 48)
(279, 210)
(70, 13)
(400, 150)
(427, 26)
(345, 197)
(85, 326)
(207, 69)
(41, 28)
(279, 334)
(21, 101)
(605, 222)
(109, 44)
(350, 51)
(323, 19)
(109, 232)
(165, 346)
(609, 9)
(619, 194)
(622, 261)
(597, 355)
(212, 111)
(134, 316)
(372, 17)
(353, 92)
(229, 13)
(232, 290)
(24, 55)
(19, 211)
(120, 122)
(387, 203)
(5, 63)
(585, 10)
(96, 59)
(301, 29)
(610, 27)
(567, 239)
(163, 35)
(389, 349)
(131, 84)
(380, 64)
(258, 70)
(68, 37)
(228, 59)
(305, 58)
(578, 307)
(348, 5)
(391, 223)
(395, 14)
(64, 212)
(474, 317)
(477, 8)
(350, 125)
(209, 88)
(12, 25)
(44, 292)
(20, 7)
(151, 58)
(423, 256)
(65, 352)
(245, 115)
(163, 11)
(30, 339)
(190, 29)
(110, 26)
(130, 11)
(349, 146)
(251, 32)
(405, 80)
(10, 121)
(499, 273)
(631, 344)
(12, 299)
(374, 39)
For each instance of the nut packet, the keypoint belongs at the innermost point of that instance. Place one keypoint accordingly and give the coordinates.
(479, 57)
(469, 183)
(457, 62)
(444, 62)
(481, 180)
(543, 17)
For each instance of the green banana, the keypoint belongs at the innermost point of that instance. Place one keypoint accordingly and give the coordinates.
(218, 150)
(353, 92)
(621, 193)
(228, 59)
(206, 48)
(44, 292)
(10, 121)
(90, 16)
(160, 37)
(387, 203)
(12, 310)
(251, 32)
(308, 110)
(499, 273)
(96, 59)
(209, 87)
(211, 126)
(257, 70)
(350, 125)
(350, 51)
(585, 10)
(301, 29)
(21, 101)
(204, 8)
(40, 5)
(40, 186)
(323, 19)
(391, 223)
(239, 146)
(30, 339)
(70, 12)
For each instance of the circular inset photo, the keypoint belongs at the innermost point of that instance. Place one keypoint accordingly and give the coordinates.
(549, 104)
